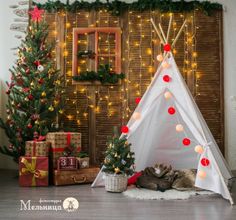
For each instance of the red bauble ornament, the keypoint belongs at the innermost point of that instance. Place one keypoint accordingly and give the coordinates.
(27, 71)
(137, 100)
(41, 81)
(37, 63)
(124, 129)
(167, 47)
(30, 97)
(171, 110)
(29, 126)
(186, 142)
(8, 91)
(26, 89)
(205, 162)
(166, 78)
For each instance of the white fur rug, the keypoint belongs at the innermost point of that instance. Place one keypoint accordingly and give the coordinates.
(171, 194)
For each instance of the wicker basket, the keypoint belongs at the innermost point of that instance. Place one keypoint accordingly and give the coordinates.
(115, 182)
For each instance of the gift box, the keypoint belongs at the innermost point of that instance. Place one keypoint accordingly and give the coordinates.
(33, 171)
(36, 148)
(67, 163)
(59, 142)
(83, 162)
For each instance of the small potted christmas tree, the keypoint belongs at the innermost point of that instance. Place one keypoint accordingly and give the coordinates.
(118, 164)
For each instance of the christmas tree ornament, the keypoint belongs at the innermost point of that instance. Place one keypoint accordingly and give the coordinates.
(43, 94)
(186, 141)
(37, 63)
(29, 126)
(115, 155)
(51, 109)
(32, 84)
(199, 149)
(117, 170)
(165, 64)
(128, 156)
(61, 111)
(137, 100)
(8, 92)
(30, 97)
(167, 95)
(25, 90)
(171, 110)
(205, 162)
(57, 82)
(8, 111)
(167, 47)
(37, 122)
(27, 71)
(56, 102)
(123, 162)
(124, 129)
(26, 99)
(159, 57)
(179, 128)
(201, 174)
(36, 14)
(136, 116)
(166, 78)
(40, 68)
(40, 81)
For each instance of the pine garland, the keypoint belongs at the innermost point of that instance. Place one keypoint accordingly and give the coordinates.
(117, 7)
(104, 75)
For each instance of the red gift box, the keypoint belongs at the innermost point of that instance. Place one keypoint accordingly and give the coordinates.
(33, 171)
(67, 163)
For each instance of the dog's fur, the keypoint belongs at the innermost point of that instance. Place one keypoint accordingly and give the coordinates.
(162, 177)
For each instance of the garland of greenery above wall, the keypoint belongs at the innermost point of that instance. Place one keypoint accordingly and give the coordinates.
(116, 7)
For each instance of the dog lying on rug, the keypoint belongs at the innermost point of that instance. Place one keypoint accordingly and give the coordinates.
(162, 177)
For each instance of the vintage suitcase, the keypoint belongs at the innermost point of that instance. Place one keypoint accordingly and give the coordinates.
(86, 175)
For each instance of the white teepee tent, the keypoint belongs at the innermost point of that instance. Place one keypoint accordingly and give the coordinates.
(167, 127)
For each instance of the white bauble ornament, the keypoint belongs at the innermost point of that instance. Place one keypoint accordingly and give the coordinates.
(40, 68)
(159, 57)
(198, 149)
(167, 95)
(165, 64)
(179, 128)
(136, 116)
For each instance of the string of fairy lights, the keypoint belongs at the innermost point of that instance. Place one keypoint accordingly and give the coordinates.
(139, 70)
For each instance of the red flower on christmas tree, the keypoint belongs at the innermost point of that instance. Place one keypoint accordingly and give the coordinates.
(36, 14)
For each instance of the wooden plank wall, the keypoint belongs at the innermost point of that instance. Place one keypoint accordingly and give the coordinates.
(205, 83)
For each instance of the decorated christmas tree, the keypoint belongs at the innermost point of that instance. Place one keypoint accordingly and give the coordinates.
(34, 93)
(118, 157)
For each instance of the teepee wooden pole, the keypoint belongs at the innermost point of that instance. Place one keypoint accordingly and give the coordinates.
(169, 26)
(162, 32)
(158, 33)
(180, 31)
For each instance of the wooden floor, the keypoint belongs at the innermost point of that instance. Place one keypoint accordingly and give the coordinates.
(98, 204)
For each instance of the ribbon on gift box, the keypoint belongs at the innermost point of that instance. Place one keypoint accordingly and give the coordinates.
(30, 168)
(41, 138)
